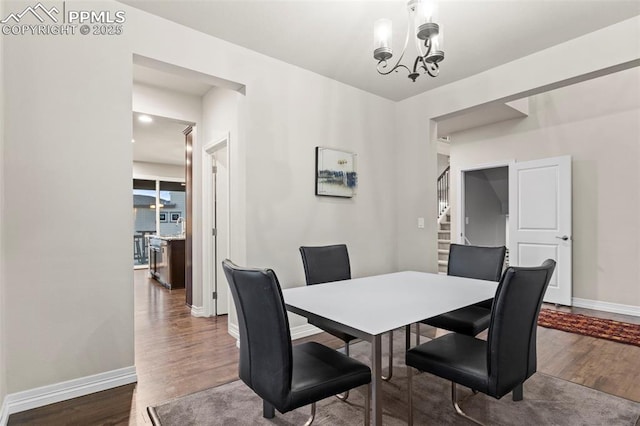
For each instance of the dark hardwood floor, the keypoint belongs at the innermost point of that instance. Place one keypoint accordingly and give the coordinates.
(177, 354)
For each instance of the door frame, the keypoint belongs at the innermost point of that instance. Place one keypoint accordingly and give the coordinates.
(208, 267)
(460, 223)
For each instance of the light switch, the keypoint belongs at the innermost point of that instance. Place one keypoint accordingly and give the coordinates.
(421, 222)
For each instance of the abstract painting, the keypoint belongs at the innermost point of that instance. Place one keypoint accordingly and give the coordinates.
(335, 173)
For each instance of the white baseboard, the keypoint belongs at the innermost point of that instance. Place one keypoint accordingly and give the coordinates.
(616, 308)
(50, 394)
(305, 330)
(198, 311)
(233, 330)
(4, 412)
(297, 332)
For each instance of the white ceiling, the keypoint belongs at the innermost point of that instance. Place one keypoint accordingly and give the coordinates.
(157, 78)
(334, 38)
(160, 141)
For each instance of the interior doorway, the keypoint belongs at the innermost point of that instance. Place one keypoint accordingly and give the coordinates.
(217, 217)
(525, 206)
(485, 206)
(162, 200)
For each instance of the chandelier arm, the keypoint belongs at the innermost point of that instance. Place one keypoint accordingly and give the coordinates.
(425, 65)
(428, 45)
(392, 69)
(419, 46)
(433, 70)
(404, 49)
(415, 63)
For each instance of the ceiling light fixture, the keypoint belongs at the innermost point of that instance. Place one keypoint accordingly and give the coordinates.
(428, 38)
(145, 119)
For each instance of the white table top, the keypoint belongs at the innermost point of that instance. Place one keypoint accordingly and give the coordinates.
(381, 303)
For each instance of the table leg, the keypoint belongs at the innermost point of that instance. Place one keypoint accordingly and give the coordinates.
(376, 379)
(407, 337)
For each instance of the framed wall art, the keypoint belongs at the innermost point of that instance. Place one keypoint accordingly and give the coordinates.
(336, 174)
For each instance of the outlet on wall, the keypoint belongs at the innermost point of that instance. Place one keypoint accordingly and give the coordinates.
(421, 222)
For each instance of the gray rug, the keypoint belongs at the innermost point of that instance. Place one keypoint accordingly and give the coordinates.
(547, 401)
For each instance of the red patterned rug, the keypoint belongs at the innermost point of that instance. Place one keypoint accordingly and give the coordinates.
(617, 331)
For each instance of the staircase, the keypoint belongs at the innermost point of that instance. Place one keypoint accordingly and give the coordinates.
(444, 221)
(444, 240)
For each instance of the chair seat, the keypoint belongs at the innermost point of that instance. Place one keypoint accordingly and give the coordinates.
(487, 304)
(320, 372)
(456, 357)
(469, 320)
(334, 332)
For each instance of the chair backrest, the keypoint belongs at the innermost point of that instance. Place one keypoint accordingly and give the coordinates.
(265, 340)
(482, 263)
(326, 263)
(511, 345)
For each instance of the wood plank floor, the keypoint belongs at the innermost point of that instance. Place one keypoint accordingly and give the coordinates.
(177, 354)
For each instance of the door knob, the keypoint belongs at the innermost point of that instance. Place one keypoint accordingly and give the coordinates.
(563, 238)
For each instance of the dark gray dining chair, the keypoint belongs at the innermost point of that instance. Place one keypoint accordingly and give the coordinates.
(503, 362)
(323, 264)
(483, 263)
(286, 377)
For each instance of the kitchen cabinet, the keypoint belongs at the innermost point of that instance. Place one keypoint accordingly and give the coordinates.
(167, 260)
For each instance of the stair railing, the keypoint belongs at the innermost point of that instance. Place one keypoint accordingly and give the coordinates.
(443, 192)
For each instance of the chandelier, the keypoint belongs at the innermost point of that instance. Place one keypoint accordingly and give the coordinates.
(428, 38)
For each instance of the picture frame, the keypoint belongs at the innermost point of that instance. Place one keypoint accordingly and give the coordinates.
(335, 174)
(174, 216)
(164, 217)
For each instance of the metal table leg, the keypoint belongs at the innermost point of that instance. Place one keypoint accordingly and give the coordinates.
(376, 379)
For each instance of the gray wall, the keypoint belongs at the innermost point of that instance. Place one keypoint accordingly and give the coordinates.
(416, 117)
(80, 296)
(220, 109)
(597, 123)
(68, 273)
(484, 208)
(443, 163)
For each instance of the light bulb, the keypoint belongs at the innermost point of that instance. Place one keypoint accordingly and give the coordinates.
(426, 11)
(437, 41)
(382, 33)
(382, 39)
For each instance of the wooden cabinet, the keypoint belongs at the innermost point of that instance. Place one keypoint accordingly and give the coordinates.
(167, 261)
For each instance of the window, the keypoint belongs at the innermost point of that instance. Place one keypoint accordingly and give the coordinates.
(158, 208)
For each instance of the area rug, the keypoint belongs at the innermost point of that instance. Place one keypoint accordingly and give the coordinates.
(547, 401)
(622, 332)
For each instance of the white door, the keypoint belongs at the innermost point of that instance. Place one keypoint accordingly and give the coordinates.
(221, 225)
(540, 220)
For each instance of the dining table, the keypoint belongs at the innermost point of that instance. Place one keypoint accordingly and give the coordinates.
(369, 307)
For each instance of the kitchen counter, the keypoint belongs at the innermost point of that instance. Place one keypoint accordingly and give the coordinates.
(167, 237)
(167, 259)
